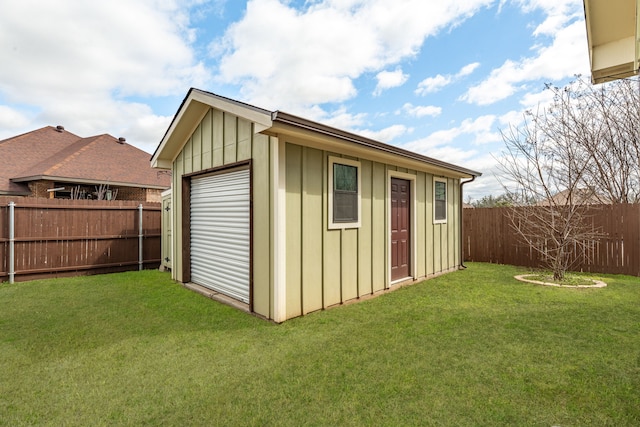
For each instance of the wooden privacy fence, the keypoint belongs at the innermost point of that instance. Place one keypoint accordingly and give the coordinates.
(488, 237)
(43, 237)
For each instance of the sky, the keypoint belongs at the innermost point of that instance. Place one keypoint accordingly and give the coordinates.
(438, 77)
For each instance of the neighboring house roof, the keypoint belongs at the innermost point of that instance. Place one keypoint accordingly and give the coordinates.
(579, 197)
(52, 153)
(613, 36)
(198, 102)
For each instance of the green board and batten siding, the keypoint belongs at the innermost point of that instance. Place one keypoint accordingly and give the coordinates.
(223, 139)
(299, 263)
(325, 267)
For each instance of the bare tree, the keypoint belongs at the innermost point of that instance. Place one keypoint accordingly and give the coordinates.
(604, 123)
(539, 168)
(580, 150)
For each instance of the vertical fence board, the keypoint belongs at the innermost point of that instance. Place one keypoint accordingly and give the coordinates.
(489, 237)
(73, 237)
(4, 241)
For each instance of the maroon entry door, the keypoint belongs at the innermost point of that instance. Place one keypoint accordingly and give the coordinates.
(400, 230)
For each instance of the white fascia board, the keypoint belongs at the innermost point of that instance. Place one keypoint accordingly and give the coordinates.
(183, 125)
(161, 164)
(191, 112)
(261, 118)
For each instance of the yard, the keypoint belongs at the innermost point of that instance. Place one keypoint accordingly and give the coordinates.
(474, 347)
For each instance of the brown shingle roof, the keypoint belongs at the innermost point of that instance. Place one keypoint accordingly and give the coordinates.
(580, 196)
(49, 154)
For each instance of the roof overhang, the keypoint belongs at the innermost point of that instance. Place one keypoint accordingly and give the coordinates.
(191, 112)
(328, 138)
(613, 36)
(85, 181)
(278, 124)
(14, 193)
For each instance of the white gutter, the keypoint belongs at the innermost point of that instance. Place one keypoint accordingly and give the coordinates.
(462, 221)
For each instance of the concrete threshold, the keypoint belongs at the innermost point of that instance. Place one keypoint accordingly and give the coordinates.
(217, 296)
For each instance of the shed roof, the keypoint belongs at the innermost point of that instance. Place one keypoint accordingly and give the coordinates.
(55, 154)
(613, 36)
(197, 103)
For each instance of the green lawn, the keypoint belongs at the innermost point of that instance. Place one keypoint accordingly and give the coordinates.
(471, 348)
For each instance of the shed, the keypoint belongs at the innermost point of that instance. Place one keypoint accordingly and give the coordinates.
(288, 216)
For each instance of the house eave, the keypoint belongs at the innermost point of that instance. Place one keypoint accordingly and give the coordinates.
(197, 103)
(14, 193)
(86, 181)
(613, 37)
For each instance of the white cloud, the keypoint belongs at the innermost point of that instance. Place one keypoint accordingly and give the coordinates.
(385, 135)
(81, 61)
(339, 118)
(468, 69)
(486, 184)
(355, 123)
(11, 119)
(434, 84)
(481, 161)
(146, 130)
(481, 129)
(558, 13)
(512, 118)
(455, 155)
(536, 99)
(389, 79)
(504, 81)
(285, 57)
(420, 110)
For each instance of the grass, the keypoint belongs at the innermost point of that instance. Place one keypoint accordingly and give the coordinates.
(474, 347)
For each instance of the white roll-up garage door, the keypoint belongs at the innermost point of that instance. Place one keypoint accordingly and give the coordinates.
(220, 233)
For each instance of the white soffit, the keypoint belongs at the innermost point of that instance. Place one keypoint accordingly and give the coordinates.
(612, 33)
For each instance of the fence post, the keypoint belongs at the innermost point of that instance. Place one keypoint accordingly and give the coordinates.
(11, 241)
(140, 238)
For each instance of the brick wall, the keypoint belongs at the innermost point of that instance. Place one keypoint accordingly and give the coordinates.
(154, 196)
(130, 193)
(39, 188)
(139, 194)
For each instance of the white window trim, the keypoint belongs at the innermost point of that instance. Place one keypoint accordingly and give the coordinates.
(342, 225)
(446, 200)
